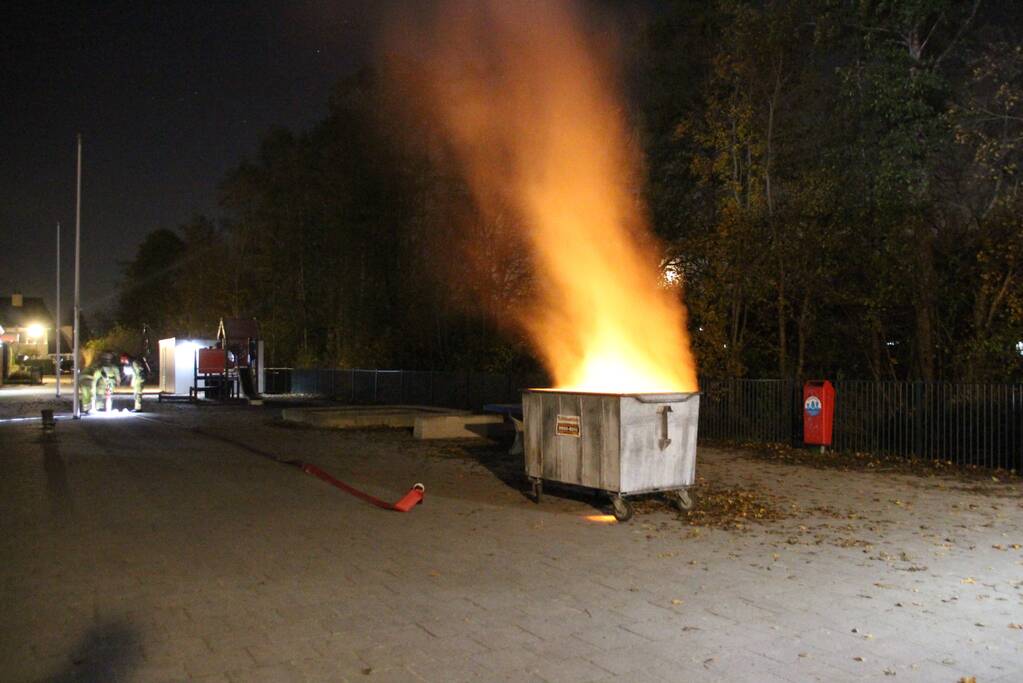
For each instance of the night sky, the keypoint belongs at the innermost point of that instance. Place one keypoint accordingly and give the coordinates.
(168, 97)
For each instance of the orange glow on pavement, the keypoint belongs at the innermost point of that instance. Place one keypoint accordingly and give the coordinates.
(601, 519)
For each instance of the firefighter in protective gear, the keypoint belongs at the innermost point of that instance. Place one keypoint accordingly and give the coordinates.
(96, 380)
(132, 370)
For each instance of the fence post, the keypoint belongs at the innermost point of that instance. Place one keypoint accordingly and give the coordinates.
(796, 411)
(918, 422)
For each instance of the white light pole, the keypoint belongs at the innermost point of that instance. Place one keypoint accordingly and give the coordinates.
(56, 362)
(77, 408)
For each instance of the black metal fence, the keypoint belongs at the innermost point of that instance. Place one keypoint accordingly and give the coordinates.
(456, 389)
(277, 380)
(746, 410)
(968, 424)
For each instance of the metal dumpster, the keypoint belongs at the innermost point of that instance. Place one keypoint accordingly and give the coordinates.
(622, 444)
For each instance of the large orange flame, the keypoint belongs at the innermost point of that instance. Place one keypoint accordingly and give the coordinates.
(534, 119)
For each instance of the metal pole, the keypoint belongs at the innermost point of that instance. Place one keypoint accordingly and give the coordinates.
(77, 408)
(57, 325)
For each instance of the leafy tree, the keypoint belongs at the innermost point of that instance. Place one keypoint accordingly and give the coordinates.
(836, 186)
(149, 288)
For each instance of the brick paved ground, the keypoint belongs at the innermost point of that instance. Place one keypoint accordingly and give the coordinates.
(169, 550)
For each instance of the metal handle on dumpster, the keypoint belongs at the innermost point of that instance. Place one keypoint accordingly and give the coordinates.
(664, 398)
(664, 440)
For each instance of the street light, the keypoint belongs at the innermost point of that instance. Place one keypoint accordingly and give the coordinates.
(35, 331)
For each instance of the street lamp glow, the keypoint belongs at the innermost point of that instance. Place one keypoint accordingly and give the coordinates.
(35, 331)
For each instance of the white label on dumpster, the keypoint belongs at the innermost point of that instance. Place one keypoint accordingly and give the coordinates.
(567, 425)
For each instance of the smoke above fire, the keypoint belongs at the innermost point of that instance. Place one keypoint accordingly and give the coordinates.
(530, 109)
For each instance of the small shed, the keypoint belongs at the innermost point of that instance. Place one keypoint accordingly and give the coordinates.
(177, 364)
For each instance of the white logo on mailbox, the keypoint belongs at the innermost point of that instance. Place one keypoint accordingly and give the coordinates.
(813, 406)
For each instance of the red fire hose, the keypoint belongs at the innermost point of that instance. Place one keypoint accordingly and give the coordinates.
(407, 502)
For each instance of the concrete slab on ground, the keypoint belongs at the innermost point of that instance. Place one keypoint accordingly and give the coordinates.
(460, 427)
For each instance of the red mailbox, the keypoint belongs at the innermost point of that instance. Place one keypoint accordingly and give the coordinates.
(818, 412)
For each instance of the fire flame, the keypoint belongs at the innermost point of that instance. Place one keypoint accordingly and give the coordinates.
(529, 108)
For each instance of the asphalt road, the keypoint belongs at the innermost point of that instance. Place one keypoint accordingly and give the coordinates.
(171, 546)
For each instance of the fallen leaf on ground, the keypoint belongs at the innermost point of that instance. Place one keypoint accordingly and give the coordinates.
(723, 507)
(886, 464)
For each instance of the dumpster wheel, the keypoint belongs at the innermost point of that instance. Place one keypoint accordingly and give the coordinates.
(622, 508)
(682, 500)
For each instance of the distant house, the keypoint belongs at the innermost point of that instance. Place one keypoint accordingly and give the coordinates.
(26, 334)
